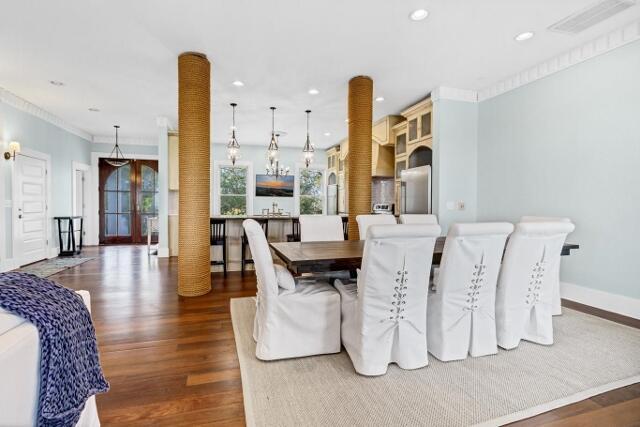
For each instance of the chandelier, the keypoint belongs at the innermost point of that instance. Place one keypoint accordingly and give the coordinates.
(274, 169)
(116, 158)
(308, 147)
(272, 151)
(233, 148)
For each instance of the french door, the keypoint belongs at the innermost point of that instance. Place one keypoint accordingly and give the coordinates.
(128, 198)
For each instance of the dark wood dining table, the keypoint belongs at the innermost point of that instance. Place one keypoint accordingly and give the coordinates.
(315, 257)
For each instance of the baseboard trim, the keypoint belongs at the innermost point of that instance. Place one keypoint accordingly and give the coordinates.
(619, 304)
(7, 265)
(163, 252)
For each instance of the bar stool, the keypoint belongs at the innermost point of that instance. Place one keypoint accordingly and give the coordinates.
(345, 227)
(295, 227)
(264, 223)
(218, 236)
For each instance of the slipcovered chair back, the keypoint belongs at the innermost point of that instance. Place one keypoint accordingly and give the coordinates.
(392, 296)
(418, 219)
(525, 291)
(365, 221)
(321, 228)
(263, 262)
(462, 306)
(553, 275)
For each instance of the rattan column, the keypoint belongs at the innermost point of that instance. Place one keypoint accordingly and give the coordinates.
(360, 121)
(194, 103)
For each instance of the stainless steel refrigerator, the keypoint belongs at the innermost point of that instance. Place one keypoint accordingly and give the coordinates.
(415, 190)
(332, 199)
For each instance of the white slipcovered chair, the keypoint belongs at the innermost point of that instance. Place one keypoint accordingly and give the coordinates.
(20, 373)
(292, 319)
(461, 307)
(418, 219)
(321, 228)
(384, 314)
(524, 297)
(554, 276)
(365, 221)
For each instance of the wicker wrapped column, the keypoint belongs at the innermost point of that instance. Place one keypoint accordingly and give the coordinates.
(360, 121)
(194, 103)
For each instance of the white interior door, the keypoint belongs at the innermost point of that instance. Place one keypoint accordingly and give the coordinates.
(30, 214)
(78, 208)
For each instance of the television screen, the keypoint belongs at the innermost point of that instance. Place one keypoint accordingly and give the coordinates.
(269, 186)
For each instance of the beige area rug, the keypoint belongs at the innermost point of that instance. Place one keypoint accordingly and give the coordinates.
(590, 356)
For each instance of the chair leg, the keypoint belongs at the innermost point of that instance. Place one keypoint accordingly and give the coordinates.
(243, 258)
(224, 257)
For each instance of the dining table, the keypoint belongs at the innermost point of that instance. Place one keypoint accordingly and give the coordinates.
(316, 257)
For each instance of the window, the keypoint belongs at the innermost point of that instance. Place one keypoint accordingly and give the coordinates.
(311, 192)
(117, 202)
(233, 190)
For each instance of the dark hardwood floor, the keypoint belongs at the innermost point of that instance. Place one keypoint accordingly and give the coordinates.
(171, 361)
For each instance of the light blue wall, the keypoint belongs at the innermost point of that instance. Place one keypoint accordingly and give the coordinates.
(455, 157)
(126, 148)
(257, 154)
(569, 145)
(63, 147)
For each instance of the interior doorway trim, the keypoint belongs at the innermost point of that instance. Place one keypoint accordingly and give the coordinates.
(77, 166)
(93, 215)
(50, 249)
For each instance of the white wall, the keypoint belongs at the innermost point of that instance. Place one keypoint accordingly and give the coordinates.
(569, 145)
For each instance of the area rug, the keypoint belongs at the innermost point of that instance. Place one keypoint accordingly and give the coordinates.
(590, 356)
(52, 266)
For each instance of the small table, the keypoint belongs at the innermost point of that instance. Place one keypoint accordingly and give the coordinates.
(315, 257)
(71, 248)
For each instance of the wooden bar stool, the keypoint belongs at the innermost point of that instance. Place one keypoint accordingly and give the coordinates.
(218, 229)
(264, 223)
(295, 228)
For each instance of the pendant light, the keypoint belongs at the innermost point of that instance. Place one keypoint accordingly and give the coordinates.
(116, 158)
(274, 169)
(272, 151)
(233, 148)
(308, 147)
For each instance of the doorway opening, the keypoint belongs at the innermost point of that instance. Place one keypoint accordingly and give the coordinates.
(128, 199)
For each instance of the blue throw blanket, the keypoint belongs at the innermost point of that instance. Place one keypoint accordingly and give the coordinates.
(70, 370)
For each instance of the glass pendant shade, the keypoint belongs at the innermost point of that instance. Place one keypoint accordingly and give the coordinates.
(233, 147)
(308, 149)
(116, 158)
(272, 151)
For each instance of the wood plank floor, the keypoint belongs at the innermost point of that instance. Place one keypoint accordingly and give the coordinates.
(171, 361)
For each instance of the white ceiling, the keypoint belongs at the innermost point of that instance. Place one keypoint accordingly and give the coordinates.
(121, 56)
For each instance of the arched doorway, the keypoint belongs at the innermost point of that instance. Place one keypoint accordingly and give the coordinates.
(128, 197)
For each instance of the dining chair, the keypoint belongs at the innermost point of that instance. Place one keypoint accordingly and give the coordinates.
(218, 237)
(524, 297)
(384, 313)
(244, 260)
(365, 221)
(321, 228)
(295, 231)
(345, 227)
(418, 219)
(554, 276)
(461, 306)
(292, 319)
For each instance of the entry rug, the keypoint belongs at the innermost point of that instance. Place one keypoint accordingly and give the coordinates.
(52, 266)
(590, 356)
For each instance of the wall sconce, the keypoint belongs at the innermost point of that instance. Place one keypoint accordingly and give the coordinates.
(14, 148)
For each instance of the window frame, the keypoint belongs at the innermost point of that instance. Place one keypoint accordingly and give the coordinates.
(296, 189)
(217, 166)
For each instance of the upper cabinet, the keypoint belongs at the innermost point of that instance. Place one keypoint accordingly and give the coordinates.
(381, 131)
(174, 161)
(419, 119)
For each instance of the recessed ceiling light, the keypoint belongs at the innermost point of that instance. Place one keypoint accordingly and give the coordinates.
(237, 83)
(327, 134)
(313, 91)
(380, 99)
(56, 82)
(524, 36)
(94, 110)
(419, 14)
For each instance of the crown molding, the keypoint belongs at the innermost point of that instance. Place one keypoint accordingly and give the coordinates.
(123, 141)
(603, 44)
(454, 94)
(9, 98)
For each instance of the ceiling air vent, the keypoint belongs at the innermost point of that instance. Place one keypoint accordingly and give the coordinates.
(591, 16)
